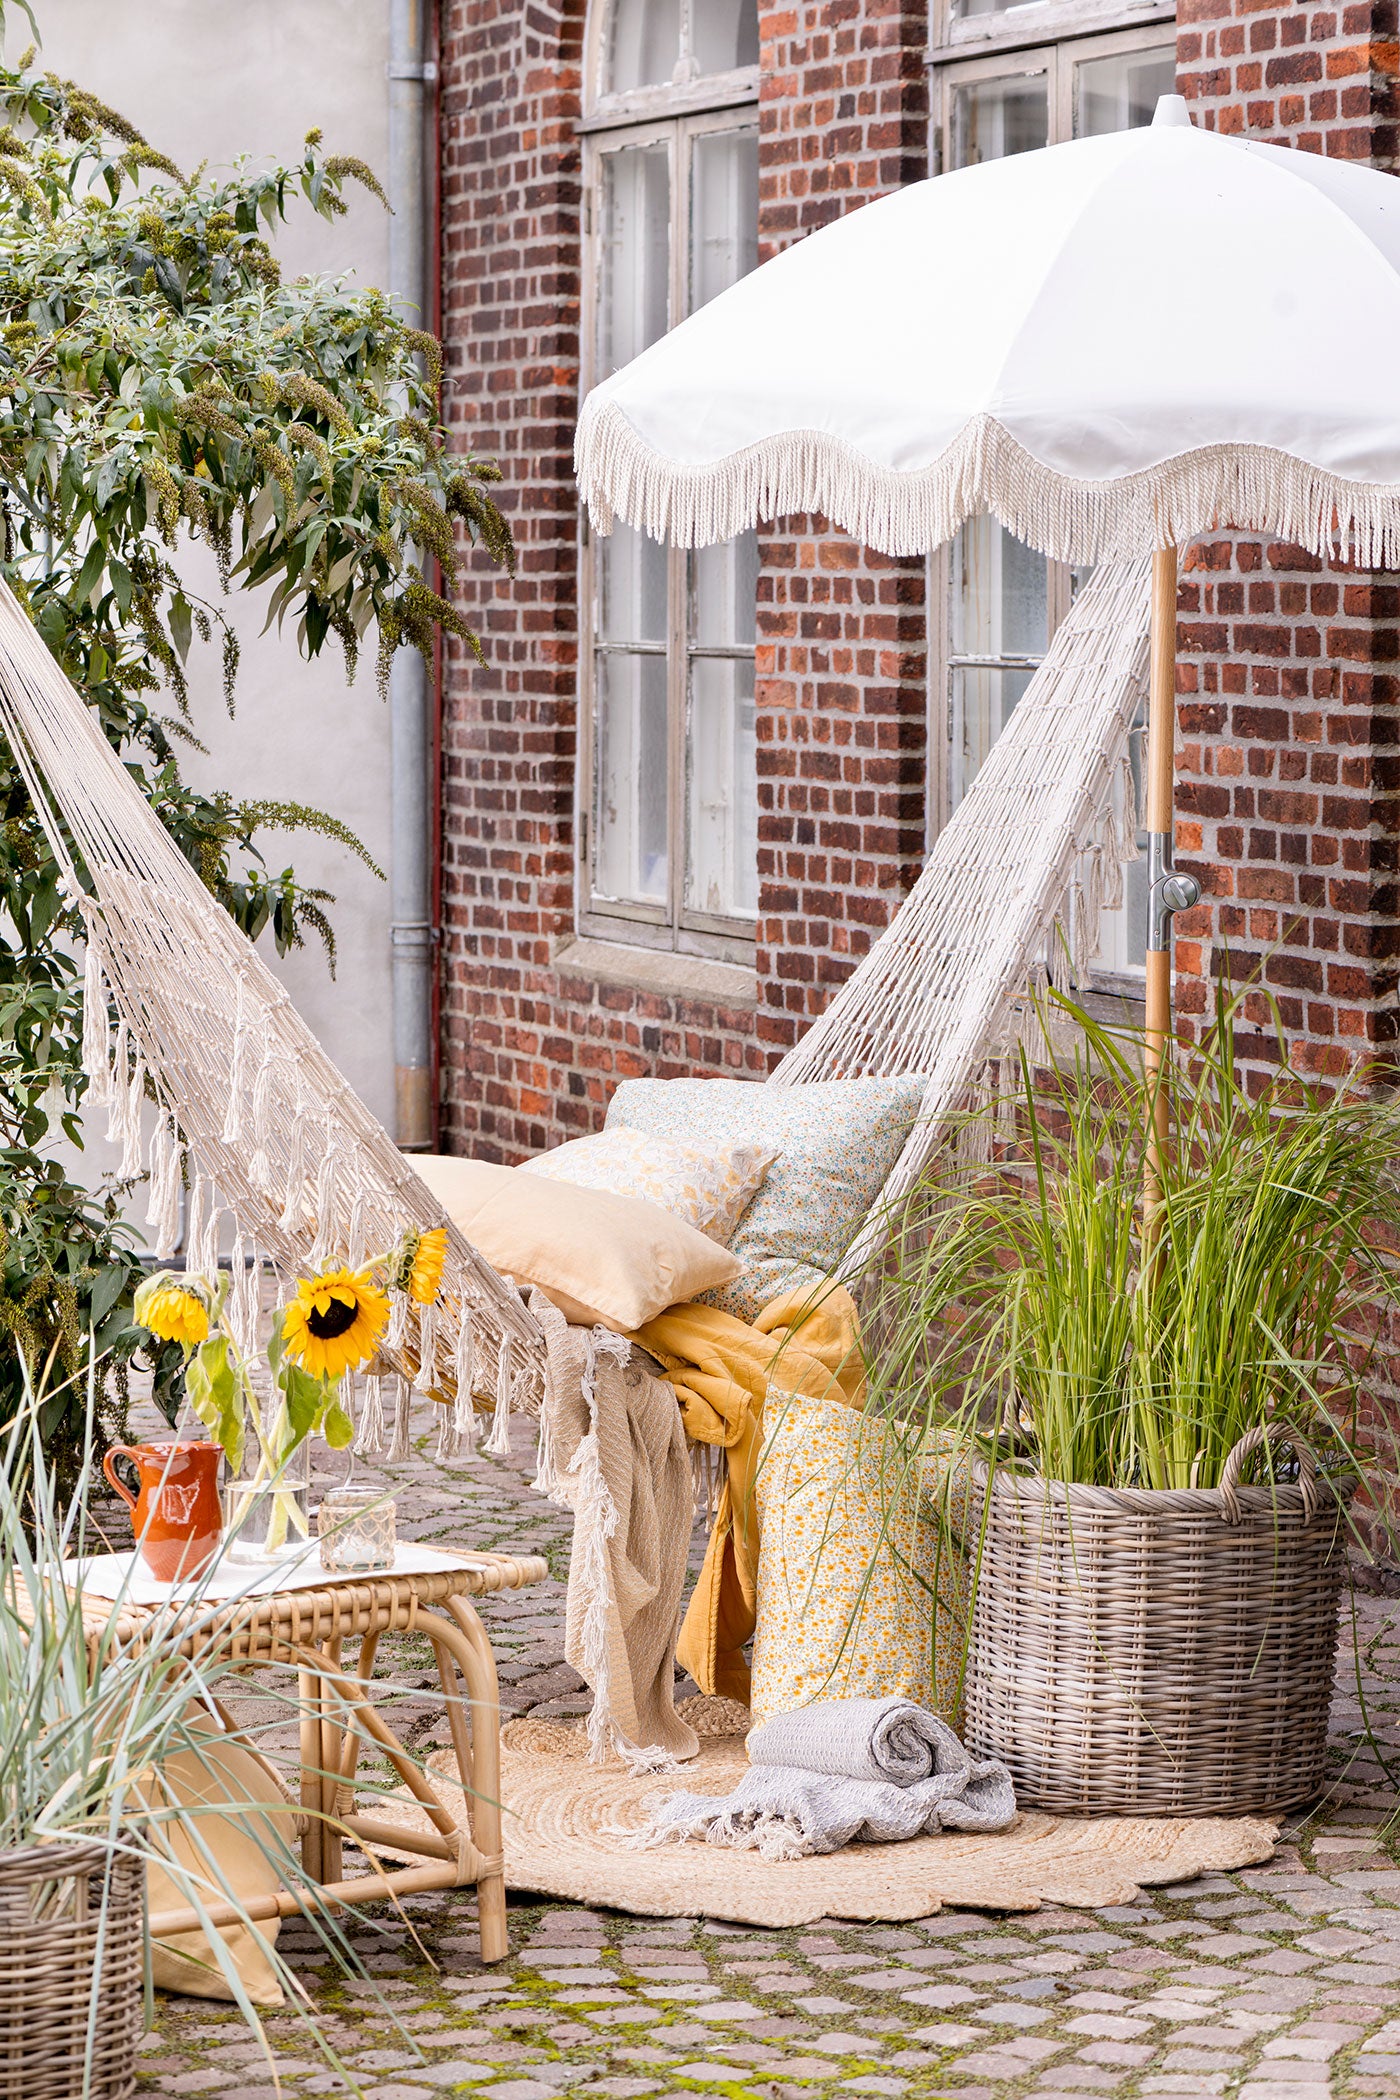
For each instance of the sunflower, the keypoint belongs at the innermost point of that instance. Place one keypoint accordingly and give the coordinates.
(416, 1263)
(425, 1276)
(334, 1322)
(173, 1310)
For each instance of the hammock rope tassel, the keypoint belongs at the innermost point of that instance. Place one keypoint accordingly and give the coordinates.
(369, 1428)
(97, 1033)
(130, 1102)
(427, 1379)
(400, 1447)
(462, 1413)
(497, 1443)
(163, 1210)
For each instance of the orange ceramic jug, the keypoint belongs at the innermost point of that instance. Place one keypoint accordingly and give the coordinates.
(175, 1511)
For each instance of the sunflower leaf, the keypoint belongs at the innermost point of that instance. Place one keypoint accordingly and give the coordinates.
(215, 1394)
(307, 1399)
(337, 1428)
(275, 1341)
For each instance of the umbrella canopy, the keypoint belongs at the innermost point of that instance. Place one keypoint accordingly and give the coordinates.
(1114, 345)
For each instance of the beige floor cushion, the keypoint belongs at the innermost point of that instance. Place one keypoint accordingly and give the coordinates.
(243, 1816)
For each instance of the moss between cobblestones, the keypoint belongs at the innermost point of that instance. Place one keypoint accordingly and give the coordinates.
(510, 2040)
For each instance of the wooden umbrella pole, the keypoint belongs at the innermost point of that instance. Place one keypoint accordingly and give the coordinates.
(1169, 892)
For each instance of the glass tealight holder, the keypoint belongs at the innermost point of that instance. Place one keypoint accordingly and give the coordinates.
(357, 1531)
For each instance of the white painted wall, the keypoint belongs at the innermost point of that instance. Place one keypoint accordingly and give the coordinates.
(214, 80)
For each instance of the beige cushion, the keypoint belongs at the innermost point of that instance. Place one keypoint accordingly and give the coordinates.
(604, 1260)
(709, 1186)
(239, 1819)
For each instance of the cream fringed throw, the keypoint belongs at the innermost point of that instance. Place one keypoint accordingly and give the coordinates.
(880, 1770)
(613, 1450)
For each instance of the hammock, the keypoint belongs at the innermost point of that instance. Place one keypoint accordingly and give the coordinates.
(1013, 892)
(278, 1152)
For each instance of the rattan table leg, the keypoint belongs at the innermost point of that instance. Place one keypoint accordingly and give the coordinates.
(310, 1692)
(332, 1747)
(478, 1667)
(350, 1755)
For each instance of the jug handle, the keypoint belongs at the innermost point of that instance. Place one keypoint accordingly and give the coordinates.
(109, 1468)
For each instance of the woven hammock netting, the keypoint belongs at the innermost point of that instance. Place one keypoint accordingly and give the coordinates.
(281, 1163)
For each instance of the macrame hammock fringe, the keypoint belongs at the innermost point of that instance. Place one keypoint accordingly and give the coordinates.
(214, 1086)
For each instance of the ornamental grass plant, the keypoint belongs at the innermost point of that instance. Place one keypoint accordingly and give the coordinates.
(89, 1717)
(1035, 1309)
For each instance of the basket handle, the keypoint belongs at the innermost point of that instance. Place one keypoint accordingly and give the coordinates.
(1275, 1433)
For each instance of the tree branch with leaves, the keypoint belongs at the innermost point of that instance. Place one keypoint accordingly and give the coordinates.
(162, 382)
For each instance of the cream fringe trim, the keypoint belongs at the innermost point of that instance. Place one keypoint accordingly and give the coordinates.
(1253, 488)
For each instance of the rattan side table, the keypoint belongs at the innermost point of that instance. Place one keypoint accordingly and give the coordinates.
(307, 1628)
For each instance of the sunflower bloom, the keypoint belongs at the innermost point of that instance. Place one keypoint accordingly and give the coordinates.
(173, 1311)
(425, 1273)
(334, 1322)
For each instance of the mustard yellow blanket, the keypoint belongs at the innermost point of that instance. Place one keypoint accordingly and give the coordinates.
(722, 1370)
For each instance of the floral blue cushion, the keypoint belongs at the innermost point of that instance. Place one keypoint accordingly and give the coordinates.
(836, 1141)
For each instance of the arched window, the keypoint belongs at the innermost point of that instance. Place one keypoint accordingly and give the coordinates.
(668, 800)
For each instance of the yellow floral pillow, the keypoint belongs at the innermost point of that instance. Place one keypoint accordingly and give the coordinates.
(849, 1567)
(709, 1186)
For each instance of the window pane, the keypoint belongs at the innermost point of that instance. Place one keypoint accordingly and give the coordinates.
(645, 46)
(723, 212)
(635, 207)
(724, 594)
(631, 587)
(998, 607)
(982, 702)
(999, 593)
(722, 788)
(1119, 94)
(629, 816)
(1123, 933)
(725, 33)
(992, 118)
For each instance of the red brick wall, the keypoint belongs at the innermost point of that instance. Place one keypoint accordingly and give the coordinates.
(1288, 673)
(530, 1055)
(1290, 667)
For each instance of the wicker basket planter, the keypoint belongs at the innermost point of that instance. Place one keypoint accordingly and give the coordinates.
(67, 1913)
(1163, 1653)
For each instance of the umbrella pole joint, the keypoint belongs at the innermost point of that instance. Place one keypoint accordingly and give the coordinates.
(1168, 891)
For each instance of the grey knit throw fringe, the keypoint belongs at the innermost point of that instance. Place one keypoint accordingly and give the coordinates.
(872, 1769)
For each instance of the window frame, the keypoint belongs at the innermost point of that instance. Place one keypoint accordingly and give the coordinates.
(601, 110)
(676, 116)
(1050, 37)
(1034, 24)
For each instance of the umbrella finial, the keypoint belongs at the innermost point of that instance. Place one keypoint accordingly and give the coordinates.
(1172, 109)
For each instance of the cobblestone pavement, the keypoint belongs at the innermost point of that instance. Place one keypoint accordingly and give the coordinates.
(1279, 1983)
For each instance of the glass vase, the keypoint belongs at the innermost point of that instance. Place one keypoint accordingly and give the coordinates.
(266, 1506)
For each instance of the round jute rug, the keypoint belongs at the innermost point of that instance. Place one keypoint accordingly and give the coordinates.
(566, 1821)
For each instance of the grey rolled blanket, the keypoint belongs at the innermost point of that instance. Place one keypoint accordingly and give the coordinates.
(877, 1770)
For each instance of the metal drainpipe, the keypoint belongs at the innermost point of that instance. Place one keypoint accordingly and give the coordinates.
(412, 935)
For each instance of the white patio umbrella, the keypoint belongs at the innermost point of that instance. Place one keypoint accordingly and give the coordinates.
(1113, 345)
